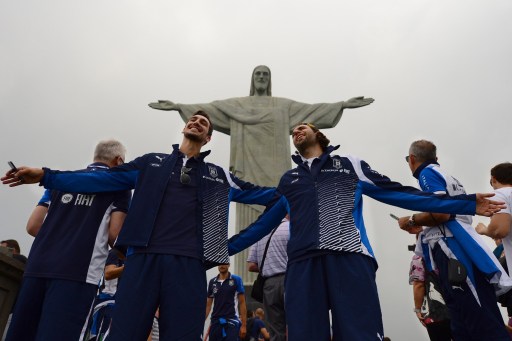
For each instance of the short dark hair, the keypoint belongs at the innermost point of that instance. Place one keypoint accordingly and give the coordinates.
(320, 137)
(202, 113)
(503, 173)
(423, 150)
(13, 244)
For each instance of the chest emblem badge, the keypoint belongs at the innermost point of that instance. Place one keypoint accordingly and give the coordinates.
(336, 163)
(213, 171)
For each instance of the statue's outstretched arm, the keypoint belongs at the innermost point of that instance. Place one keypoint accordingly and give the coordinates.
(356, 102)
(164, 105)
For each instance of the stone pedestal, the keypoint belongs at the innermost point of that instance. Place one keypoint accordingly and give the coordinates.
(11, 273)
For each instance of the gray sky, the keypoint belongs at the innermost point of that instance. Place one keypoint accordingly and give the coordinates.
(73, 73)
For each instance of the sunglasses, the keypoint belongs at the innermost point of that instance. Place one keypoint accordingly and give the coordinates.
(407, 158)
(184, 177)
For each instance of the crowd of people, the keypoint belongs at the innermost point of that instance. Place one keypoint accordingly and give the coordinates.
(175, 226)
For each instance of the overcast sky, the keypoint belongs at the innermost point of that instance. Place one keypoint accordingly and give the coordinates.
(73, 73)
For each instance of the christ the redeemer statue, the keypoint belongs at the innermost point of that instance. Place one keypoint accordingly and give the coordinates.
(260, 127)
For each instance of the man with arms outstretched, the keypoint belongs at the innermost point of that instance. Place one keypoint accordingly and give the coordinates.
(331, 264)
(175, 229)
(259, 126)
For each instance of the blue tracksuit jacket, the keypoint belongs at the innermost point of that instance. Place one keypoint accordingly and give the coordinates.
(326, 206)
(149, 175)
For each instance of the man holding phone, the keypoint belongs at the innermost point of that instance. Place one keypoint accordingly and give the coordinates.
(68, 255)
(14, 169)
(176, 228)
(452, 241)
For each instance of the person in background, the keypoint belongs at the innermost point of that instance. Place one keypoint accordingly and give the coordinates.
(16, 251)
(500, 225)
(450, 240)
(258, 331)
(16, 254)
(274, 269)
(429, 305)
(68, 255)
(229, 316)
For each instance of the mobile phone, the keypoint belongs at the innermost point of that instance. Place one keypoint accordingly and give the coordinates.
(393, 216)
(13, 167)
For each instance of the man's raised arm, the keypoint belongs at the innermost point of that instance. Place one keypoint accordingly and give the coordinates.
(24, 175)
(124, 178)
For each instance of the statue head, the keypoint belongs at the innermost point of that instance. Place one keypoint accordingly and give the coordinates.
(261, 81)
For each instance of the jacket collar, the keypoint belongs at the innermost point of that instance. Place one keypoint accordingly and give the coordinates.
(297, 158)
(227, 278)
(418, 170)
(98, 165)
(200, 157)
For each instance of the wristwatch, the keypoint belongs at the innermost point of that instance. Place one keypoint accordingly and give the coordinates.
(412, 221)
(417, 310)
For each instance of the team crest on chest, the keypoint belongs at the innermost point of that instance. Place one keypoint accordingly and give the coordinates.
(231, 282)
(213, 171)
(336, 163)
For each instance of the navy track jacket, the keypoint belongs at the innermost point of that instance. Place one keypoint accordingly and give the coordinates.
(149, 175)
(326, 206)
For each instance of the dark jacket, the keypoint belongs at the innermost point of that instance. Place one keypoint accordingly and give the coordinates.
(149, 175)
(325, 204)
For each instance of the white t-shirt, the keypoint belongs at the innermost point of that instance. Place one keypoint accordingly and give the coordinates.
(505, 194)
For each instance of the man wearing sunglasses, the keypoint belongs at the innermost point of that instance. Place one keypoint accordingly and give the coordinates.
(331, 264)
(175, 229)
(447, 239)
